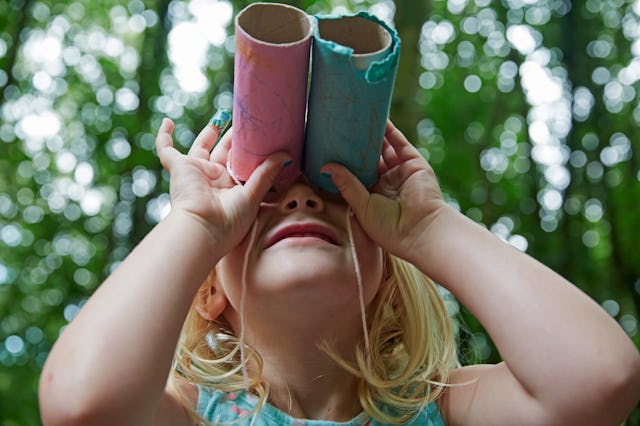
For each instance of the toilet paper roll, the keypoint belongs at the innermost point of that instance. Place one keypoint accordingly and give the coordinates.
(270, 86)
(354, 64)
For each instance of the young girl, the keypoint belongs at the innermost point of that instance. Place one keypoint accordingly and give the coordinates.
(301, 305)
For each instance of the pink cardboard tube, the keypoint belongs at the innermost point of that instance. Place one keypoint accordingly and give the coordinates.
(270, 86)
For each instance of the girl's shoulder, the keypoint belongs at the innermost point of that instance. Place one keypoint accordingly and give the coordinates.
(220, 407)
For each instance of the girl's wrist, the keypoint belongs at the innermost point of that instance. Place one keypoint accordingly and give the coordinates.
(198, 232)
(455, 246)
(435, 248)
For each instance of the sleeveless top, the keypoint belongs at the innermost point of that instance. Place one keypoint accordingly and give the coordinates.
(220, 407)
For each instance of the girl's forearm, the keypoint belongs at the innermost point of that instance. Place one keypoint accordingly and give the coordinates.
(116, 354)
(556, 341)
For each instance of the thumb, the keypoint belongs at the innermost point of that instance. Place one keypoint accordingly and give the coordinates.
(350, 187)
(262, 178)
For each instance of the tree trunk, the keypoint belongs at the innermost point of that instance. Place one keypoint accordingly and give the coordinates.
(22, 15)
(406, 112)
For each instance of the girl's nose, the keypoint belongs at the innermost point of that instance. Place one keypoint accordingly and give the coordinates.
(300, 197)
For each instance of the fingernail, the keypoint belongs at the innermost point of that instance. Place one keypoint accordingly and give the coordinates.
(287, 163)
(221, 118)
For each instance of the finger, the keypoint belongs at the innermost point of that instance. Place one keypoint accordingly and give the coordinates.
(382, 166)
(263, 177)
(218, 173)
(208, 136)
(164, 144)
(402, 147)
(350, 187)
(389, 155)
(396, 176)
(221, 119)
(205, 140)
(220, 153)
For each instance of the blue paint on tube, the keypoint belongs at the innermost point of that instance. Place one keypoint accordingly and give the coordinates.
(348, 107)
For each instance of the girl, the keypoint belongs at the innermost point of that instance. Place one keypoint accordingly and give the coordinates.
(307, 312)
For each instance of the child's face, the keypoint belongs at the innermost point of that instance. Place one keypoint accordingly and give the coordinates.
(302, 256)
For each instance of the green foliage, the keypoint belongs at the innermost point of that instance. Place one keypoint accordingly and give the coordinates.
(527, 111)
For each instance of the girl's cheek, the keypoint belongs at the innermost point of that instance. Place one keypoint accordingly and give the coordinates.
(371, 259)
(229, 271)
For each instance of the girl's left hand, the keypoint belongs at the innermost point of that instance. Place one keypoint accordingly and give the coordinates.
(201, 186)
(403, 205)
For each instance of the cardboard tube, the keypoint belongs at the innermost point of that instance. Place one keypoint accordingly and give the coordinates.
(355, 59)
(270, 86)
(369, 40)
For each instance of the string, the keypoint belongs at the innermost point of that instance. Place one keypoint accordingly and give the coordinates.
(245, 265)
(233, 175)
(356, 264)
(243, 291)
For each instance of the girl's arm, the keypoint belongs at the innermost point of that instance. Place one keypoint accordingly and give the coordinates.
(565, 360)
(111, 363)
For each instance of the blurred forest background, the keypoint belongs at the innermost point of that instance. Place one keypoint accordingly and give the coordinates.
(527, 110)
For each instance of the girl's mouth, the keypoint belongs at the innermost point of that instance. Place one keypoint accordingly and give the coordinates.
(301, 230)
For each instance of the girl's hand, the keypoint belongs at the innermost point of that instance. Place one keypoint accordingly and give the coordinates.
(201, 186)
(402, 205)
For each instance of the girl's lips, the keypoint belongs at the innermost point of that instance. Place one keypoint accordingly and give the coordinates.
(300, 230)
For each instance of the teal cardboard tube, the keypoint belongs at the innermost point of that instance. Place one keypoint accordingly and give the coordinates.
(353, 69)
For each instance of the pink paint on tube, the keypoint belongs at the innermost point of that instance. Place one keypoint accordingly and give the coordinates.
(270, 86)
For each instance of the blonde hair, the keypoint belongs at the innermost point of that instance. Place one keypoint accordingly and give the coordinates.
(412, 349)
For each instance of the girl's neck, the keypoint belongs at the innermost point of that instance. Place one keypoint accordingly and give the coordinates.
(329, 395)
(306, 383)
(303, 380)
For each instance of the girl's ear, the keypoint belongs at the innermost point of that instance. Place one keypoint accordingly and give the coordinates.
(211, 302)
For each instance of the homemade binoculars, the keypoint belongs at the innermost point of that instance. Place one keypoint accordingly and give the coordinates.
(338, 113)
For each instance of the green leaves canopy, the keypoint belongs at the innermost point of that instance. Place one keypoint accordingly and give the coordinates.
(526, 109)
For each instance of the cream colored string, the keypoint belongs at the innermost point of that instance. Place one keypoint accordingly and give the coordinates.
(230, 172)
(356, 264)
(245, 267)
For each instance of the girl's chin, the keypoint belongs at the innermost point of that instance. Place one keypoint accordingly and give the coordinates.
(318, 266)
(307, 274)
(290, 276)
(304, 254)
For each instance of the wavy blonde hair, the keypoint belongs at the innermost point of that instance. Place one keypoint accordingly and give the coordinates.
(412, 349)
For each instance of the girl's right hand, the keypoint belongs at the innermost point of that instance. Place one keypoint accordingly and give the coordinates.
(201, 186)
(400, 210)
